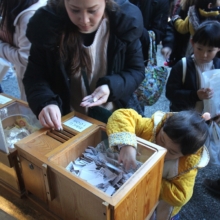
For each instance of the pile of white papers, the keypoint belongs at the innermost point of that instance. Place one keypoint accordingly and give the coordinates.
(99, 167)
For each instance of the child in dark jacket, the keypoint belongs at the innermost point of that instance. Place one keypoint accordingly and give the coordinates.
(186, 91)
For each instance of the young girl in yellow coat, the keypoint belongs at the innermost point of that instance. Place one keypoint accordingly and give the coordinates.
(203, 10)
(183, 134)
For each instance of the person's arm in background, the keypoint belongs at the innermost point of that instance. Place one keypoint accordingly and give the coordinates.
(155, 16)
(182, 26)
(172, 40)
(159, 19)
(18, 55)
(168, 41)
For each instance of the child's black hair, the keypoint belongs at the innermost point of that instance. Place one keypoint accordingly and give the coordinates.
(203, 4)
(188, 129)
(208, 34)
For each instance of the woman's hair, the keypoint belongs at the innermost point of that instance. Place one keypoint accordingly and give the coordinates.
(203, 4)
(71, 45)
(188, 129)
(208, 34)
(9, 10)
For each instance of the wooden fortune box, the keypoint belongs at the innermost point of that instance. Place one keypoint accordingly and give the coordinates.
(45, 154)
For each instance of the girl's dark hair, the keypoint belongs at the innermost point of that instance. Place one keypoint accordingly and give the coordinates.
(188, 129)
(9, 10)
(203, 4)
(71, 46)
(208, 34)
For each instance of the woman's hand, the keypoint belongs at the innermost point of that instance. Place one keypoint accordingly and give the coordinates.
(207, 117)
(50, 117)
(98, 97)
(205, 93)
(166, 51)
(127, 156)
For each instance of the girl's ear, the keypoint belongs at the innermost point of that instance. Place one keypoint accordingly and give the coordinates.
(191, 41)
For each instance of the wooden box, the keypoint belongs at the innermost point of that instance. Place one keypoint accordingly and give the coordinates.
(68, 196)
(41, 145)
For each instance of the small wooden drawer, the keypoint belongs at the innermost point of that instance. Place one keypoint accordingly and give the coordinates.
(33, 179)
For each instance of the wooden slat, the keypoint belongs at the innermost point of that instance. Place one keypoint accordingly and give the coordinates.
(50, 195)
(59, 134)
(67, 133)
(55, 137)
(106, 210)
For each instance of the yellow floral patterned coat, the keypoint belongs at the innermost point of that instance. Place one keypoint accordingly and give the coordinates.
(178, 175)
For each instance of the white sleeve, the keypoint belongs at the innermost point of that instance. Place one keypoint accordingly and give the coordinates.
(18, 54)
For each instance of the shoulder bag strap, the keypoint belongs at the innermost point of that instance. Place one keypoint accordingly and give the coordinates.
(86, 82)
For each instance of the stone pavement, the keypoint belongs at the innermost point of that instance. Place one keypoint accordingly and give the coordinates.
(203, 205)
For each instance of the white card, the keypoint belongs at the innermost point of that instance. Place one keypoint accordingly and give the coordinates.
(77, 124)
(87, 175)
(69, 166)
(96, 181)
(4, 99)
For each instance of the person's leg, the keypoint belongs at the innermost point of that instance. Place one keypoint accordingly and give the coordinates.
(212, 185)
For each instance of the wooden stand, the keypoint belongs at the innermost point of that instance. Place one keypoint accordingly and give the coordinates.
(10, 169)
(10, 173)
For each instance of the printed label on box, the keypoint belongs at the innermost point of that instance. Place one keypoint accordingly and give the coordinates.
(4, 99)
(77, 124)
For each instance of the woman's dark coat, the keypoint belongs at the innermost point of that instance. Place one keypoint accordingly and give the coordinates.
(155, 16)
(46, 81)
(184, 96)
